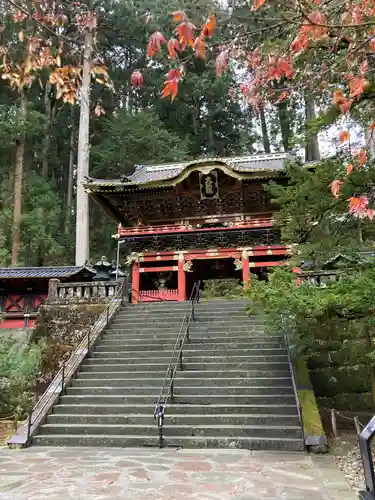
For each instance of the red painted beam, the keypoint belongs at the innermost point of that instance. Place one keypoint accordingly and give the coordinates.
(157, 269)
(266, 264)
(256, 251)
(156, 230)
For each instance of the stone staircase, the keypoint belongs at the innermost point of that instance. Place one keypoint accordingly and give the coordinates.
(235, 390)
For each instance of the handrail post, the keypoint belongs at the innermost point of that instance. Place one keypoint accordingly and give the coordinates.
(88, 341)
(62, 378)
(172, 383)
(180, 356)
(160, 415)
(188, 333)
(29, 429)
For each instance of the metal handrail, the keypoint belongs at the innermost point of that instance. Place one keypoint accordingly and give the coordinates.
(175, 361)
(67, 371)
(293, 375)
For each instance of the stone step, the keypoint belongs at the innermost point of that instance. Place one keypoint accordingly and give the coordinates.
(175, 409)
(267, 444)
(207, 399)
(174, 430)
(177, 322)
(102, 372)
(195, 356)
(180, 391)
(147, 307)
(191, 369)
(87, 380)
(196, 332)
(196, 343)
(258, 361)
(199, 313)
(189, 347)
(188, 353)
(173, 419)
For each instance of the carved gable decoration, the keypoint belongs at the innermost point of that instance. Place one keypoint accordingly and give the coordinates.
(209, 185)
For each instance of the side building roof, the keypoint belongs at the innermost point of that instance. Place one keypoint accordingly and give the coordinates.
(43, 272)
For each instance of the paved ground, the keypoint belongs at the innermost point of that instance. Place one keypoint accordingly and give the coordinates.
(142, 474)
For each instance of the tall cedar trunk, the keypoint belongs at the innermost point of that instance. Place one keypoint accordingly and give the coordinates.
(283, 114)
(265, 138)
(18, 183)
(82, 214)
(312, 152)
(47, 130)
(69, 200)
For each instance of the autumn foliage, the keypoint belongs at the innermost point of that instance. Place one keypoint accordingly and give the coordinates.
(343, 28)
(46, 47)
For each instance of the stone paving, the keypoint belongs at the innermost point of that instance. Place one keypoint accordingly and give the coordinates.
(153, 474)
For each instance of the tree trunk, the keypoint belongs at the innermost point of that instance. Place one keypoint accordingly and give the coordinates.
(69, 199)
(312, 152)
(283, 114)
(82, 215)
(265, 138)
(18, 183)
(47, 130)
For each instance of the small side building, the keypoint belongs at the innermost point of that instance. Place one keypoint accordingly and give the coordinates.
(24, 289)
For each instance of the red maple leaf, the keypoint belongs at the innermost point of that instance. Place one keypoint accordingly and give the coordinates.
(173, 47)
(279, 68)
(300, 43)
(357, 86)
(257, 4)
(364, 67)
(136, 79)
(344, 136)
(362, 157)
(335, 187)
(179, 16)
(222, 62)
(155, 42)
(209, 27)
(185, 34)
(358, 206)
(341, 101)
(171, 84)
(200, 47)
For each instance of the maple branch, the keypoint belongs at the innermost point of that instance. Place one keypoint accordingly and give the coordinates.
(42, 25)
(330, 26)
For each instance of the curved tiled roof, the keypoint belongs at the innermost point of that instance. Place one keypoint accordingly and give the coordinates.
(145, 174)
(42, 272)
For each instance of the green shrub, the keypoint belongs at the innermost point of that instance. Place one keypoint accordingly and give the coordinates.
(19, 369)
(222, 288)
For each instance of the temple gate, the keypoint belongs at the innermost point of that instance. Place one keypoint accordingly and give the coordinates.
(210, 218)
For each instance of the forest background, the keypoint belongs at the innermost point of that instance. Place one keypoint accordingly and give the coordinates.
(209, 117)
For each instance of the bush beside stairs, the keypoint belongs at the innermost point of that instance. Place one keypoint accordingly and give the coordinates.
(235, 390)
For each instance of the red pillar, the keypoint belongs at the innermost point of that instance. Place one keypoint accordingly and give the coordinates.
(135, 283)
(245, 270)
(181, 280)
